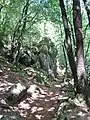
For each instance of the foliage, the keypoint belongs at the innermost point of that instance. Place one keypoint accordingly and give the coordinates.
(12, 15)
(32, 31)
(40, 77)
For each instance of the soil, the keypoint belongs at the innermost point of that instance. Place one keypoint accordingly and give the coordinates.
(39, 105)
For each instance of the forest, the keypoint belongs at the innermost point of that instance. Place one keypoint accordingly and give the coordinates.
(44, 60)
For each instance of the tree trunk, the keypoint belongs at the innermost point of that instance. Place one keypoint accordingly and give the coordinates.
(18, 34)
(68, 45)
(77, 20)
(81, 73)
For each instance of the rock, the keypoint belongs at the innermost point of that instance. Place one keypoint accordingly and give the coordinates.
(1, 72)
(15, 93)
(1, 116)
(35, 89)
(11, 116)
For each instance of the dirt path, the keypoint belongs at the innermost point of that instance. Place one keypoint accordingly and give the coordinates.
(38, 106)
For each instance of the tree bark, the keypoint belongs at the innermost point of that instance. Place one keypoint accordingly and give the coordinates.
(77, 20)
(68, 45)
(81, 73)
(18, 34)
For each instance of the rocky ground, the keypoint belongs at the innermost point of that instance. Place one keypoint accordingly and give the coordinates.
(40, 104)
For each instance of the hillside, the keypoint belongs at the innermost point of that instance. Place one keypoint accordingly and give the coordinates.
(39, 104)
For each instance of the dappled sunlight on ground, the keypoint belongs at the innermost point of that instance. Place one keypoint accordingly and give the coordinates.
(39, 102)
(37, 105)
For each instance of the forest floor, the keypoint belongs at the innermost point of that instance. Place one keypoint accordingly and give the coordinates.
(39, 105)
